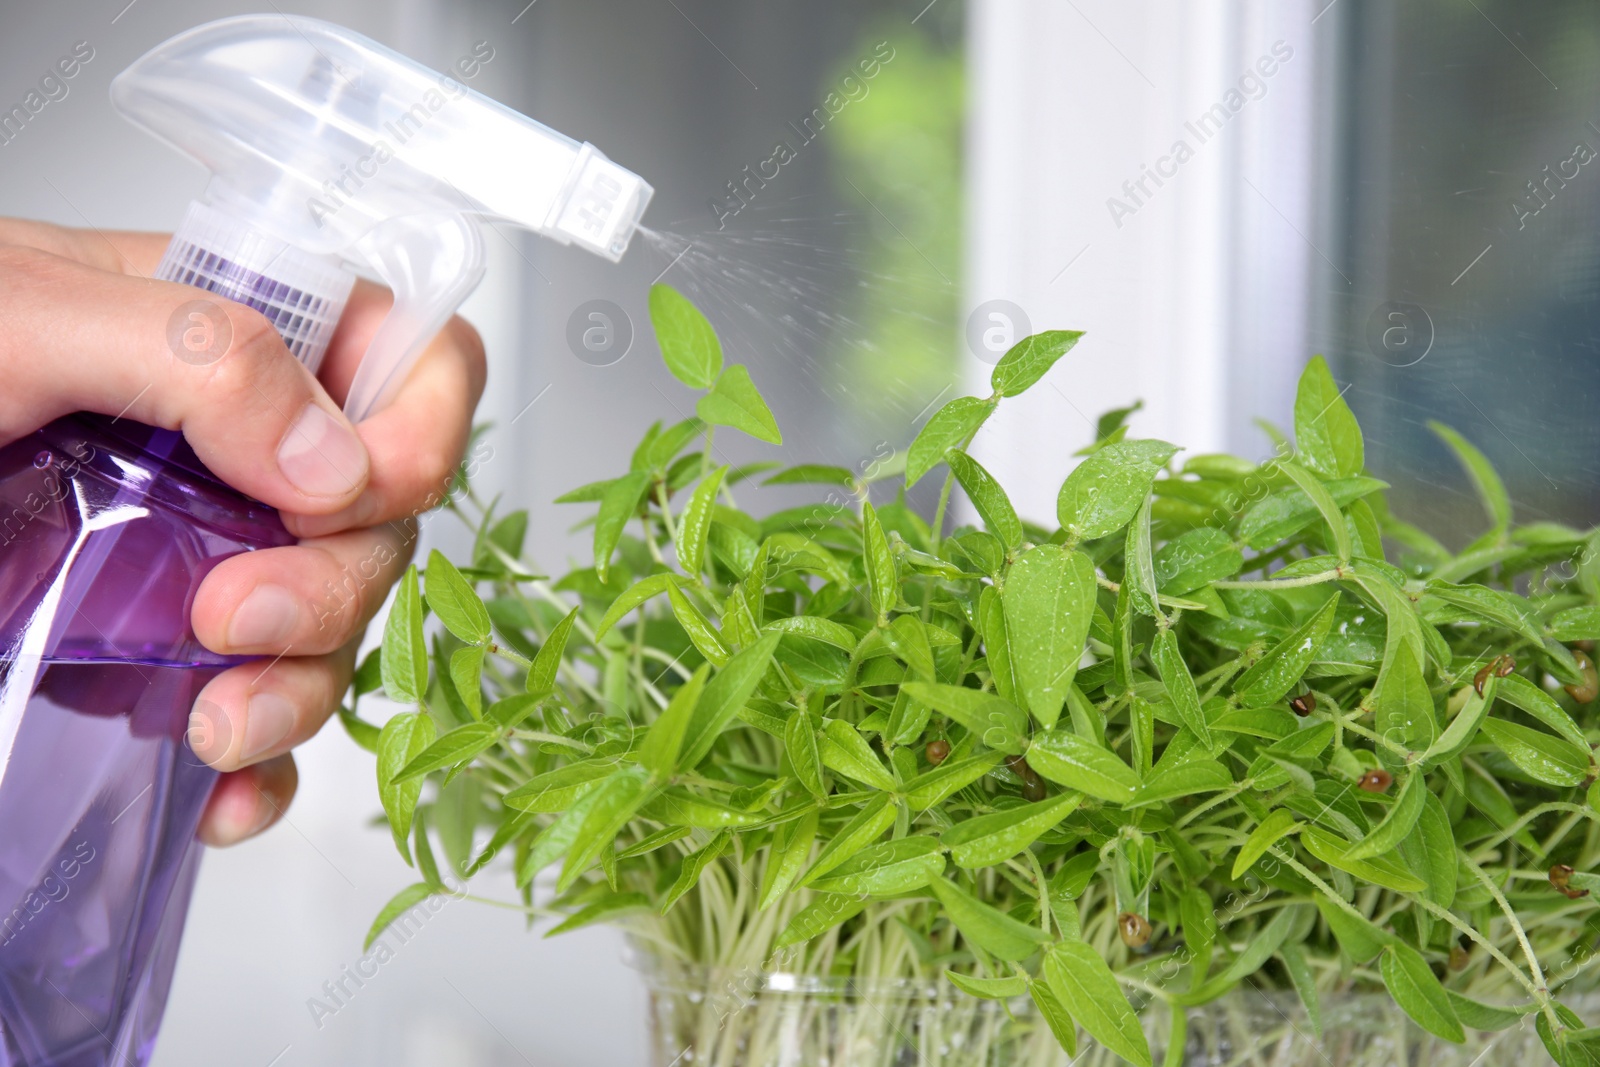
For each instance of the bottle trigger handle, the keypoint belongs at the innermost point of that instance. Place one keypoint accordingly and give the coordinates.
(432, 262)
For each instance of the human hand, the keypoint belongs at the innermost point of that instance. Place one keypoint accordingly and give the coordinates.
(86, 331)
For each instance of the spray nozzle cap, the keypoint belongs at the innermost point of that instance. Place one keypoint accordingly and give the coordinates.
(324, 142)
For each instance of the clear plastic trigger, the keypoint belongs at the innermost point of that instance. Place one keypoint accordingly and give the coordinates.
(432, 263)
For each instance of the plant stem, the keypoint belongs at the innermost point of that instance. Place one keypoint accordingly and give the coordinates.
(1511, 917)
(666, 512)
(938, 515)
(1284, 583)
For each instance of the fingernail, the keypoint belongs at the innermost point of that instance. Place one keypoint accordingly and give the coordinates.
(210, 732)
(265, 620)
(321, 455)
(269, 719)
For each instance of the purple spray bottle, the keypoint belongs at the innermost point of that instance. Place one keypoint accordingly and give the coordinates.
(327, 153)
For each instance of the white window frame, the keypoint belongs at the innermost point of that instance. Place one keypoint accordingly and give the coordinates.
(1198, 302)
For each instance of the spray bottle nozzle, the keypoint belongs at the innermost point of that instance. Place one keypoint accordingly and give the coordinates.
(327, 149)
(604, 207)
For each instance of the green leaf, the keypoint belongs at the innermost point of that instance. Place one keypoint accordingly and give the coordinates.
(614, 803)
(405, 650)
(907, 719)
(813, 474)
(557, 838)
(790, 851)
(556, 790)
(1260, 947)
(1326, 433)
(1565, 1046)
(934, 786)
(1180, 688)
(865, 827)
(1103, 492)
(617, 507)
(1087, 988)
(886, 870)
(989, 928)
(990, 839)
(1049, 602)
(658, 752)
(1015, 985)
(1479, 1016)
(1139, 571)
(844, 750)
(1431, 851)
(1491, 490)
(907, 637)
(636, 594)
(607, 909)
(1402, 705)
(1491, 605)
(694, 865)
(689, 345)
(725, 695)
(1055, 1015)
(466, 674)
(993, 505)
(369, 676)
(818, 629)
(1412, 984)
(1282, 514)
(541, 679)
(1195, 559)
(818, 917)
(398, 905)
(997, 644)
(1576, 624)
(1323, 501)
(1379, 870)
(402, 738)
(800, 743)
(1305, 984)
(456, 746)
(425, 861)
(701, 633)
(453, 599)
(360, 730)
(883, 579)
(1070, 760)
(1397, 823)
(1519, 692)
(1030, 359)
(952, 426)
(1275, 673)
(1360, 939)
(1544, 757)
(1464, 727)
(735, 401)
(695, 522)
(1181, 780)
(671, 441)
(1278, 824)
(678, 805)
(995, 721)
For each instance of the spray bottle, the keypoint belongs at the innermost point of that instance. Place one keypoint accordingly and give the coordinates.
(327, 152)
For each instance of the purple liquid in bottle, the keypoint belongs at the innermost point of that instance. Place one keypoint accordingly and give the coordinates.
(106, 530)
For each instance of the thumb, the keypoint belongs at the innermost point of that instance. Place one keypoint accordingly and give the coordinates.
(74, 338)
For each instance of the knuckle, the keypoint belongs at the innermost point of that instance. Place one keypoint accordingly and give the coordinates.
(253, 360)
(254, 338)
(469, 342)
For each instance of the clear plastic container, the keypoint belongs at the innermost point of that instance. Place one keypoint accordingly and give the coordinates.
(702, 1017)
